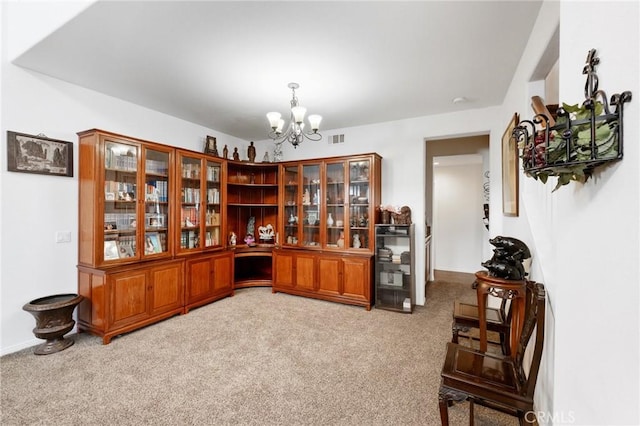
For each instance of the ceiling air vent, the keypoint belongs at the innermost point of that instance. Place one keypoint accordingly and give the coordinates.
(333, 139)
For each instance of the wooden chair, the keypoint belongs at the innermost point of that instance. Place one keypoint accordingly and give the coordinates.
(465, 317)
(492, 380)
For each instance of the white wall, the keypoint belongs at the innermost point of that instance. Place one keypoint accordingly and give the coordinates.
(585, 237)
(34, 207)
(606, 277)
(458, 232)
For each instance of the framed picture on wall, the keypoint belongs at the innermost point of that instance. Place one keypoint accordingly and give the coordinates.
(39, 154)
(510, 169)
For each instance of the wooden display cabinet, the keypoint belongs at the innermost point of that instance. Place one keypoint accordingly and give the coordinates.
(330, 204)
(302, 205)
(155, 221)
(252, 192)
(291, 200)
(328, 215)
(201, 195)
(125, 188)
(126, 270)
(336, 209)
(363, 198)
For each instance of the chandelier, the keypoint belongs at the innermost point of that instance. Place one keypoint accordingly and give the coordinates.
(294, 132)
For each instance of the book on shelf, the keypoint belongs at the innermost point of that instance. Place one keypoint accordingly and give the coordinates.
(213, 173)
(190, 195)
(189, 239)
(213, 196)
(127, 162)
(189, 216)
(212, 237)
(191, 170)
(157, 167)
(156, 190)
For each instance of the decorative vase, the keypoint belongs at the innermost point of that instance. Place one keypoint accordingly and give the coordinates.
(54, 319)
(330, 220)
(340, 242)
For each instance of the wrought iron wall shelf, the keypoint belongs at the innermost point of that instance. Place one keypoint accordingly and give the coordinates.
(579, 139)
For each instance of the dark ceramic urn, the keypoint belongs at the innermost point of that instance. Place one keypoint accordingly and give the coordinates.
(54, 319)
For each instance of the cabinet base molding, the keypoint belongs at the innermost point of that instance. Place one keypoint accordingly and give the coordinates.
(335, 299)
(83, 327)
(207, 301)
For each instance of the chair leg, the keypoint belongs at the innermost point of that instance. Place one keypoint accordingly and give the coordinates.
(443, 403)
(454, 332)
(446, 397)
(471, 415)
(527, 418)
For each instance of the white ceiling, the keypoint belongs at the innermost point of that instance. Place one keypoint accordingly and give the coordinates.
(223, 65)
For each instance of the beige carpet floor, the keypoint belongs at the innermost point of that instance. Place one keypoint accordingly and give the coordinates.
(256, 358)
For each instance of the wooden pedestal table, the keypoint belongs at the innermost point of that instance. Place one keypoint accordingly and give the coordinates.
(505, 289)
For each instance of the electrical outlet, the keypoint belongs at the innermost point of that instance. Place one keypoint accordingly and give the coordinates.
(63, 237)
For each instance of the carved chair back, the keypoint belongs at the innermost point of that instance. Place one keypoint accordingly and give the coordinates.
(534, 320)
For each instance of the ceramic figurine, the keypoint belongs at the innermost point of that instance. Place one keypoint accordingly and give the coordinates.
(356, 241)
(404, 217)
(251, 226)
(266, 232)
(508, 257)
(225, 152)
(232, 239)
(236, 154)
(306, 198)
(251, 153)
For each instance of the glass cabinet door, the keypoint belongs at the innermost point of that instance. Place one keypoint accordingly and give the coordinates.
(335, 211)
(311, 205)
(120, 201)
(190, 187)
(212, 218)
(292, 199)
(359, 207)
(156, 202)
